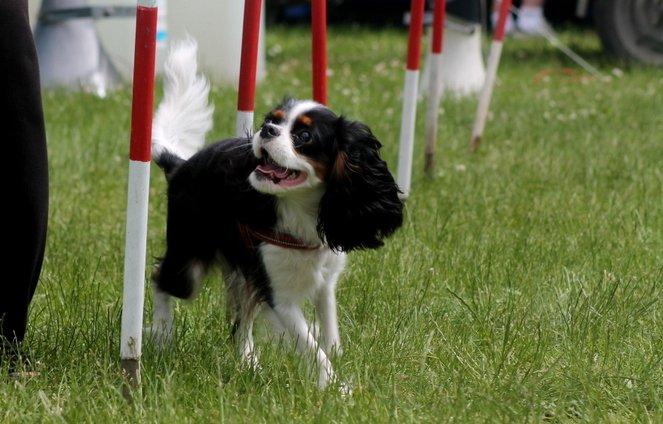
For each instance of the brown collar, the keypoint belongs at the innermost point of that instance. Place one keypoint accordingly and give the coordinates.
(276, 238)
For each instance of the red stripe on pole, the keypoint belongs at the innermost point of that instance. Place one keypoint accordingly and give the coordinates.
(249, 60)
(439, 15)
(414, 38)
(143, 84)
(505, 9)
(319, 49)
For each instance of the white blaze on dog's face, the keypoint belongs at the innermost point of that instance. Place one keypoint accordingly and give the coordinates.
(291, 147)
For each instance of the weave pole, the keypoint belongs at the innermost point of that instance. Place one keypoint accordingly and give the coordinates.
(409, 114)
(138, 189)
(491, 74)
(434, 88)
(247, 68)
(319, 49)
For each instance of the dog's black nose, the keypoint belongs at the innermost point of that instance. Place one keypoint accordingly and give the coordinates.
(269, 131)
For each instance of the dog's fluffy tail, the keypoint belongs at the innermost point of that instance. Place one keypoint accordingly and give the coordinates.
(184, 116)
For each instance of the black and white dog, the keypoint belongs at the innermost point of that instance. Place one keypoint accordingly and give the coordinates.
(278, 211)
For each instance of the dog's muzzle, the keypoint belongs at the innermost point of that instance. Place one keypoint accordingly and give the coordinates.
(269, 131)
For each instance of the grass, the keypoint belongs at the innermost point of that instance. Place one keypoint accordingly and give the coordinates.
(524, 286)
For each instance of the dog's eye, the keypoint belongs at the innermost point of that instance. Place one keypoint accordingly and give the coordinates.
(304, 136)
(268, 120)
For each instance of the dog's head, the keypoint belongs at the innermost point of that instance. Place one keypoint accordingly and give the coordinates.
(303, 147)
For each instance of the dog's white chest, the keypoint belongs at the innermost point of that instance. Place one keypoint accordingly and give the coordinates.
(296, 275)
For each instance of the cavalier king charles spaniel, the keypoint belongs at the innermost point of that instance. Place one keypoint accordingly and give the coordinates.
(278, 211)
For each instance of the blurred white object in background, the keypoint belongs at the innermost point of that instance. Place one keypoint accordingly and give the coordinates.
(462, 70)
(68, 48)
(215, 24)
(531, 20)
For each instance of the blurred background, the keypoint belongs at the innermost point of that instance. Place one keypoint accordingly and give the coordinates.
(67, 30)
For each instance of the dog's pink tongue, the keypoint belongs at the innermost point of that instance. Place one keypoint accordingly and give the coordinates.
(271, 169)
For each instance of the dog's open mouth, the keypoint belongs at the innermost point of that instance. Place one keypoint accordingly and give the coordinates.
(268, 169)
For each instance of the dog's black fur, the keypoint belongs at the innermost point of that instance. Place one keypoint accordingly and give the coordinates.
(209, 195)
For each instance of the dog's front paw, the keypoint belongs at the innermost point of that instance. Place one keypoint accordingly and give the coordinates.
(335, 348)
(250, 361)
(332, 347)
(326, 376)
(345, 389)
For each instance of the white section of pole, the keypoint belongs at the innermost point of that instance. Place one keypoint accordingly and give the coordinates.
(134, 260)
(486, 93)
(434, 96)
(147, 3)
(244, 123)
(408, 121)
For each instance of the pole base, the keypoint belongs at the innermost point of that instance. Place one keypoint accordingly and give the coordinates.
(474, 143)
(429, 164)
(131, 376)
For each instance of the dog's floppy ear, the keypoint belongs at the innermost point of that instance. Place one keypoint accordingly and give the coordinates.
(361, 205)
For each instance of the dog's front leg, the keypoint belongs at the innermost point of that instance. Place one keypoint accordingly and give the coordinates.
(292, 319)
(325, 308)
(325, 305)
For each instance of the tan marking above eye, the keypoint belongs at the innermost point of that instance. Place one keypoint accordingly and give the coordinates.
(278, 114)
(305, 120)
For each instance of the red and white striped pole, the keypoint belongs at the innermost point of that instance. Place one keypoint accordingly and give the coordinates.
(409, 114)
(434, 88)
(247, 69)
(491, 74)
(319, 49)
(138, 189)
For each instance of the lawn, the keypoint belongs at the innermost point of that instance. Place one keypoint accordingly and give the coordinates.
(525, 284)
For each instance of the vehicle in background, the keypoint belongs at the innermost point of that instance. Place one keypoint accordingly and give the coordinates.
(629, 29)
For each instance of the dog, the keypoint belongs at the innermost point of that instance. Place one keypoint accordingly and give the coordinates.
(278, 211)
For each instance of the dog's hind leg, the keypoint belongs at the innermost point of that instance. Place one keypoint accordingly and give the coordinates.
(174, 276)
(243, 306)
(161, 330)
(179, 275)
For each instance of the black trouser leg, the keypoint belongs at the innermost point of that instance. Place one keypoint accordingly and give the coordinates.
(24, 175)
